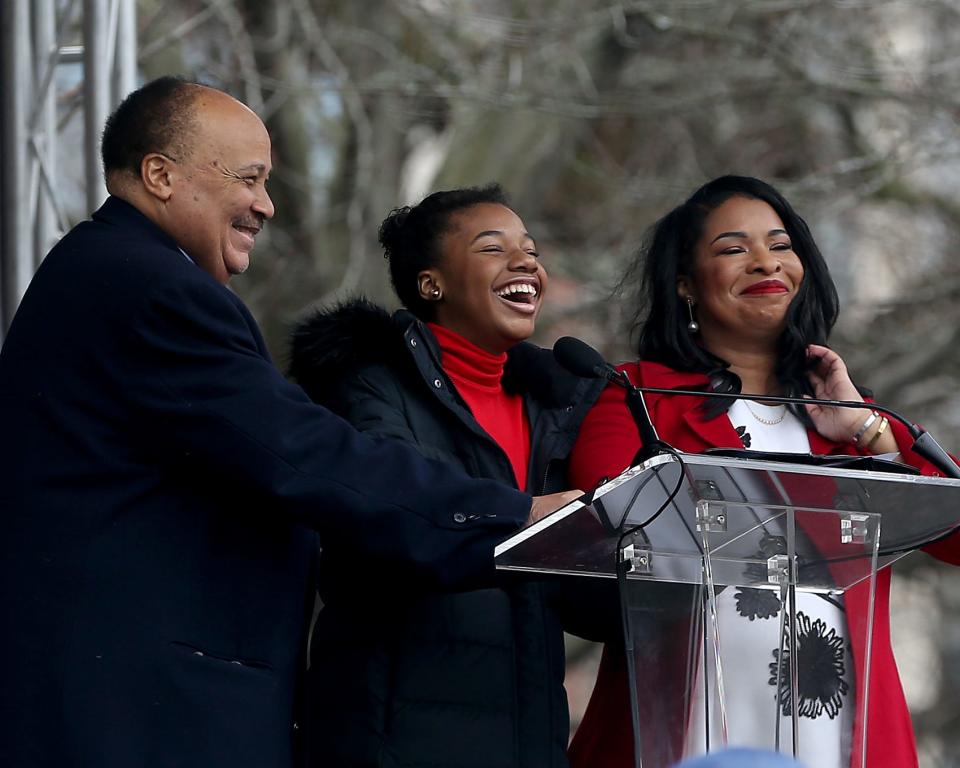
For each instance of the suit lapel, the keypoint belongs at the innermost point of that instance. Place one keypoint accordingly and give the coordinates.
(820, 446)
(716, 433)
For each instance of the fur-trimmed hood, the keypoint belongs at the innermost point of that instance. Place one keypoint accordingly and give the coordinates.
(333, 342)
(356, 333)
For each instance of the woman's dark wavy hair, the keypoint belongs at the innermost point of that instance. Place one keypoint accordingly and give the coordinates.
(410, 237)
(661, 315)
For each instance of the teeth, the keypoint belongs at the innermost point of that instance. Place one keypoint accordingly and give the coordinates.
(513, 288)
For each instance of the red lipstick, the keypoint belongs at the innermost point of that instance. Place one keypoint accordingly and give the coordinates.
(765, 287)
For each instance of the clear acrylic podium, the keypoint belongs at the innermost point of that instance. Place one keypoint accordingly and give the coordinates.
(677, 530)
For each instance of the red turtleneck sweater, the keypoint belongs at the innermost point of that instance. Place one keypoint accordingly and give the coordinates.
(477, 375)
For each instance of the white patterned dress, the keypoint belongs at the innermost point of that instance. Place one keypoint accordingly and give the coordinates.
(749, 628)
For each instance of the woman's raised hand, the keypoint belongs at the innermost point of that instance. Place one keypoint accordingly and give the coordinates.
(831, 381)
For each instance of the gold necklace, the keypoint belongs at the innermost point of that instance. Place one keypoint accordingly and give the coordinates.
(762, 420)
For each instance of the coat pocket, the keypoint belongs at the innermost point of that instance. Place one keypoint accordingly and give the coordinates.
(187, 649)
(226, 711)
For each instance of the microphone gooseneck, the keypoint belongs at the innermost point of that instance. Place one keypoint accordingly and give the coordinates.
(580, 358)
(583, 360)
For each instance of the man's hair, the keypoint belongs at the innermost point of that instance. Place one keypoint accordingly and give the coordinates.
(157, 117)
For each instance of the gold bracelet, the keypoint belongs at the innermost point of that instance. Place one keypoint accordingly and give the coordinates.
(868, 422)
(884, 423)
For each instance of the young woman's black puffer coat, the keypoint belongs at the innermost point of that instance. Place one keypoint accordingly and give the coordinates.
(400, 677)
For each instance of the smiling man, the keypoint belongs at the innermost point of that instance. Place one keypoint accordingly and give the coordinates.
(161, 483)
(203, 182)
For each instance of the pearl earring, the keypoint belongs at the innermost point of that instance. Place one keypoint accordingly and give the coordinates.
(693, 326)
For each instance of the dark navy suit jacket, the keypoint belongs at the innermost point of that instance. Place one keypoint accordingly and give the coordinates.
(161, 487)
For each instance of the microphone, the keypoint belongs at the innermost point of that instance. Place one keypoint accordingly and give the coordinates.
(583, 360)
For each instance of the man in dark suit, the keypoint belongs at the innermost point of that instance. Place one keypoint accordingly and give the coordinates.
(161, 483)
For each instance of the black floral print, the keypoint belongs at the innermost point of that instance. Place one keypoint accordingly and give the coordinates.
(821, 658)
(744, 436)
(757, 603)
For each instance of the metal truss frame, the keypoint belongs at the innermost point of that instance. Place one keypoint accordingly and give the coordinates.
(34, 35)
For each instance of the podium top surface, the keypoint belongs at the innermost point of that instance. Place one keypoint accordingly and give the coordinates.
(826, 515)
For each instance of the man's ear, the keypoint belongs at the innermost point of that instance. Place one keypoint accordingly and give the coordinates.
(156, 174)
(428, 284)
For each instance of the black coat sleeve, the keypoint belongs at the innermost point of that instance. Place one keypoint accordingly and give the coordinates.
(213, 407)
(370, 399)
(378, 401)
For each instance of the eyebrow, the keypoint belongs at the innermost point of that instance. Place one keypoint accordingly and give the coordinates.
(498, 233)
(743, 235)
(258, 167)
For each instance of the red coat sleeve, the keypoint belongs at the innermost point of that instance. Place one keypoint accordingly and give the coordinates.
(607, 442)
(948, 549)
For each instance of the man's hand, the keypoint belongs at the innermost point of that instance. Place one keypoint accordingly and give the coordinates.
(544, 505)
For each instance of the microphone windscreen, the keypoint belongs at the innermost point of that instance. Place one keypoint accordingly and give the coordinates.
(579, 358)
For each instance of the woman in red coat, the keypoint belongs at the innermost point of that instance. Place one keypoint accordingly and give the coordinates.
(735, 296)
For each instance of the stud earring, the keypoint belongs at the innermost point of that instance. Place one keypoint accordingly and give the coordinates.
(436, 293)
(693, 326)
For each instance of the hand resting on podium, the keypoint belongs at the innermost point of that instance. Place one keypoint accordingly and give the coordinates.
(545, 505)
